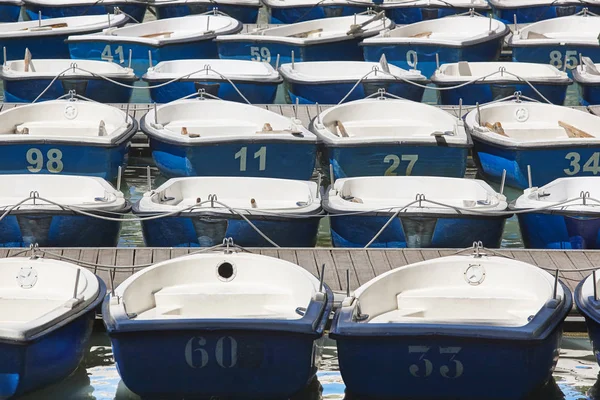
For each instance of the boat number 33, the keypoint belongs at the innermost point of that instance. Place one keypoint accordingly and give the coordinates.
(52, 160)
(591, 165)
(424, 367)
(197, 354)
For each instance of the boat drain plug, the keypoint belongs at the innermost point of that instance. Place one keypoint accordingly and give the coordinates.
(226, 271)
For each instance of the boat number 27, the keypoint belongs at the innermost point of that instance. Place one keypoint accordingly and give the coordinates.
(556, 59)
(591, 165)
(423, 367)
(197, 355)
(394, 160)
(260, 54)
(53, 160)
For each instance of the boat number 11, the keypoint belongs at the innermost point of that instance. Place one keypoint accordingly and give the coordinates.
(35, 159)
(395, 161)
(591, 165)
(261, 154)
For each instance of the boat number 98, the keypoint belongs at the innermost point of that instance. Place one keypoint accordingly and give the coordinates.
(591, 165)
(423, 367)
(556, 59)
(260, 54)
(225, 353)
(395, 161)
(35, 159)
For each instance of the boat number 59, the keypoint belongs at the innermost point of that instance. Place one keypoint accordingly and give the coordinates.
(197, 356)
(423, 367)
(395, 161)
(591, 165)
(556, 59)
(35, 159)
(260, 54)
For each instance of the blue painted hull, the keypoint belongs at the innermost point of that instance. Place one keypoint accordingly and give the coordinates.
(27, 366)
(412, 14)
(291, 15)
(345, 50)
(547, 164)
(9, 12)
(100, 90)
(334, 92)
(555, 55)
(371, 160)
(589, 308)
(203, 230)
(40, 47)
(528, 15)
(559, 231)
(589, 94)
(417, 231)
(255, 92)
(137, 11)
(399, 55)
(245, 14)
(486, 92)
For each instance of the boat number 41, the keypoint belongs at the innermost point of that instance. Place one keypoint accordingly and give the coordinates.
(423, 367)
(591, 165)
(197, 355)
(107, 54)
(556, 59)
(35, 159)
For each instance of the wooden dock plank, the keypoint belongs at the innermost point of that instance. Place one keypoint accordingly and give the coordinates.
(323, 256)
(287, 255)
(160, 254)
(306, 259)
(343, 263)
(181, 251)
(594, 258)
(379, 261)
(562, 261)
(413, 256)
(362, 266)
(396, 258)
(429, 254)
(142, 256)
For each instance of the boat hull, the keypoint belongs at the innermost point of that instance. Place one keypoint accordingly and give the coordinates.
(135, 10)
(294, 14)
(255, 92)
(556, 230)
(547, 164)
(403, 55)
(100, 90)
(417, 230)
(589, 308)
(202, 230)
(247, 14)
(9, 12)
(334, 92)
(411, 14)
(285, 160)
(48, 46)
(555, 55)
(531, 14)
(589, 93)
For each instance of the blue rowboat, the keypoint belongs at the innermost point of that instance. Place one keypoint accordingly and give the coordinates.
(223, 138)
(554, 141)
(330, 82)
(586, 300)
(67, 137)
(219, 318)
(10, 10)
(328, 39)
(144, 45)
(530, 11)
(50, 217)
(587, 76)
(405, 12)
(47, 310)
(135, 9)
(286, 211)
(452, 327)
(498, 80)
(448, 212)
(564, 214)
(26, 80)
(446, 40)
(376, 137)
(294, 11)
(226, 79)
(557, 41)
(245, 11)
(46, 38)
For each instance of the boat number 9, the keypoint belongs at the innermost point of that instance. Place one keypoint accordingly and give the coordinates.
(107, 54)
(35, 159)
(260, 54)
(395, 161)
(570, 59)
(423, 367)
(411, 58)
(591, 165)
(225, 354)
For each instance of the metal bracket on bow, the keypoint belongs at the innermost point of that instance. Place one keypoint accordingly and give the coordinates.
(229, 245)
(420, 198)
(584, 195)
(33, 248)
(212, 198)
(34, 195)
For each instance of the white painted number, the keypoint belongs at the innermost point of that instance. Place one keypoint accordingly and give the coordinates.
(411, 58)
(570, 59)
(424, 367)
(260, 54)
(395, 160)
(36, 160)
(107, 54)
(591, 165)
(261, 154)
(225, 358)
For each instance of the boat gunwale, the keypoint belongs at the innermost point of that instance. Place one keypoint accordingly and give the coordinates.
(384, 79)
(119, 20)
(257, 81)
(390, 5)
(236, 3)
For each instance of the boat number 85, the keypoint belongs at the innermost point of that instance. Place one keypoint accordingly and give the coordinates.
(423, 367)
(35, 159)
(591, 165)
(225, 353)
(260, 54)
(395, 161)
(556, 59)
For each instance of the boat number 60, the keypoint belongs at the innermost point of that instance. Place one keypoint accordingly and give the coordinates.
(591, 165)
(411, 58)
(395, 161)
(424, 367)
(35, 159)
(196, 355)
(260, 54)
(570, 59)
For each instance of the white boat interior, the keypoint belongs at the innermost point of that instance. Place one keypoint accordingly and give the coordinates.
(64, 120)
(46, 3)
(219, 120)
(37, 294)
(531, 3)
(555, 195)
(318, 30)
(587, 289)
(85, 192)
(308, 3)
(587, 71)
(166, 3)
(458, 290)
(533, 124)
(477, 4)
(390, 193)
(61, 26)
(452, 30)
(323, 71)
(465, 71)
(244, 194)
(387, 120)
(215, 285)
(40, 68)
(574, 29)
(213, 69)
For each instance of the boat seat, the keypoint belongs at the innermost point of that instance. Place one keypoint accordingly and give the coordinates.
(307, 34)
(166, 35)
(464, 69)
(535, 35)
(21, 310)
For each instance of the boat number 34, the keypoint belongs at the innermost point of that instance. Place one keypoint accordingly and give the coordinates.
(423, 367)
(557, 60)
(260, 54)
(52, 160)
(197, 354)
(591, 165)
(394, 160)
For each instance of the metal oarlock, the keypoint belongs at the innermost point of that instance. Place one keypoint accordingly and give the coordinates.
(4, 54)
(322, 278)
(595, 285)
(293, 63)
(331, 177)
(347, 283)
(150, 58)
(119, 173)
(277, 62)
(529, 180)
(515, 21)
(75, 290)
(478, 114)
(555, 296)
(155, 114)
(148, 178)
(437, 61)
(130, 56)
